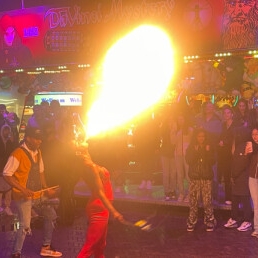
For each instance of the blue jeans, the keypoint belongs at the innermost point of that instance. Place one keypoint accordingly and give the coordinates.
(24, 215)
(253, 187)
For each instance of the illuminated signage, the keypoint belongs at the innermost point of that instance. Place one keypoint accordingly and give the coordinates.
(31, 32)
(69, 99)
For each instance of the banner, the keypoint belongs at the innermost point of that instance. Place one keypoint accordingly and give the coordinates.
(82, 31)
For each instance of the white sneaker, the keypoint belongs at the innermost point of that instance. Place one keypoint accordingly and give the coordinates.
(172, 195)
(190, 228)
(148, 185)
(49, 251)
(8, 211)
(167, 198)
(231, 224)
(142, 185)
(228, 202)
(245, 226)
(210, 226)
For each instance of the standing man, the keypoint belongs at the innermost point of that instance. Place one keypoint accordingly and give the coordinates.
(24, 171)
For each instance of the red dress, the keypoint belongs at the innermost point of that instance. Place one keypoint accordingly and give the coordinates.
(98, 215)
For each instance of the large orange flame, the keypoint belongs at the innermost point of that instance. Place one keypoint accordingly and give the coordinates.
(136, 73)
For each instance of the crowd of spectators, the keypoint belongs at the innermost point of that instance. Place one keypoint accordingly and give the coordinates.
(167, 138)
(228, 132)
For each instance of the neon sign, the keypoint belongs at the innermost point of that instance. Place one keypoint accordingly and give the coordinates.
(69, 99)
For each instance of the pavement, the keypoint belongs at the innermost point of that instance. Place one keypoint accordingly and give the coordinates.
(167, 239)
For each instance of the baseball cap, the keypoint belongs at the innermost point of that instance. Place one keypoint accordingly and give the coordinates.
(33, 132)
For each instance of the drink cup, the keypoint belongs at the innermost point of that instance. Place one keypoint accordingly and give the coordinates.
(249, 147)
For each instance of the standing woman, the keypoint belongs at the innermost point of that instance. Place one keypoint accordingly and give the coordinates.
(241, 114)
(252, 150)
(241, 210)
(183, 139)
(225, 152)
(98, 207)
(200, 158)
(167, 155)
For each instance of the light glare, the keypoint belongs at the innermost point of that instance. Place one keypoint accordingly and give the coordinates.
(136, 73)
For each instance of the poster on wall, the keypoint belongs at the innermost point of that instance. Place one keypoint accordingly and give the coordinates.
(82, 31)
(240, 24)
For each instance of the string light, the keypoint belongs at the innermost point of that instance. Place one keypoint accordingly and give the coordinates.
(252, 53)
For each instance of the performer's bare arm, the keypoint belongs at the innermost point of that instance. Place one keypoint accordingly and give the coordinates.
(97, 185)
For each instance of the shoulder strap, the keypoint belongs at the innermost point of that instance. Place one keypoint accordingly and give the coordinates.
(29, 155)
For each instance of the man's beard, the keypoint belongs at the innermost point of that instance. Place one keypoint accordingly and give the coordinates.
(238, 36)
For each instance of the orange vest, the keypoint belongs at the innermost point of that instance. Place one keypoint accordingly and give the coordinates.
(22, 172)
